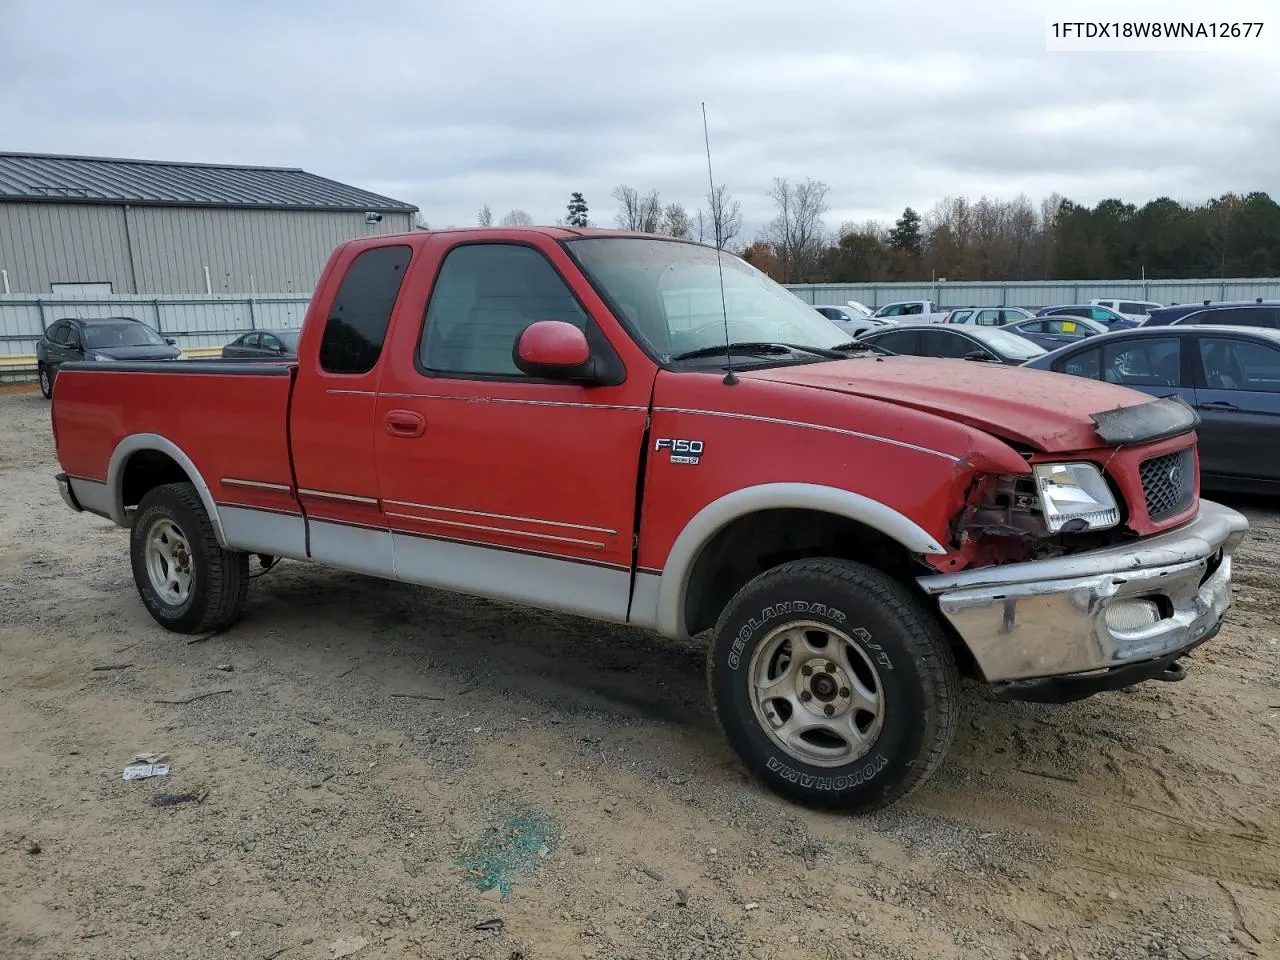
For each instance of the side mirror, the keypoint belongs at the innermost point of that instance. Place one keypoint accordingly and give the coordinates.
(554, 350)
(171, 341)
(976, 355)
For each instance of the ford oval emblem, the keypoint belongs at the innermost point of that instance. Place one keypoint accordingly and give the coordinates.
(1175, 475)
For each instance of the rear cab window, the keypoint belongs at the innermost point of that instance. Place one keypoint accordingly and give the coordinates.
(356, 327)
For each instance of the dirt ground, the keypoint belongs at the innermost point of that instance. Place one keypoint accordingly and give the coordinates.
(369, 758)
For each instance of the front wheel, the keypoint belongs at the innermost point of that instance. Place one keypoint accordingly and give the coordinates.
(46, 382)
(188, 582)
(833, 684)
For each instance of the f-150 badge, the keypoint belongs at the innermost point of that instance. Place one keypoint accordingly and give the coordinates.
(682, 451)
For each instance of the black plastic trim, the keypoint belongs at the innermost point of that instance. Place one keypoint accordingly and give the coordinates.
(222, 368)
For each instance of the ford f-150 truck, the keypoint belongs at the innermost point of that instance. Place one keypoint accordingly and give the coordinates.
(639, 430)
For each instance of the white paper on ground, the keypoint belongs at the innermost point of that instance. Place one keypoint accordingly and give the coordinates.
(141, 771)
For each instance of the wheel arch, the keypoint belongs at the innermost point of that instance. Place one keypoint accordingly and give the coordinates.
(121, 473)
(702, 531)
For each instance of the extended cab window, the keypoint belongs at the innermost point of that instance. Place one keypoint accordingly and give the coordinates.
(361, 311)
(484, 298)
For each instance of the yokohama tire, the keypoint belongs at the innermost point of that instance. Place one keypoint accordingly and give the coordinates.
(859, 684)
(188, 583)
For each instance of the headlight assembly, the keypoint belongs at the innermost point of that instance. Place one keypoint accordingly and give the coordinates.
(1071, 492)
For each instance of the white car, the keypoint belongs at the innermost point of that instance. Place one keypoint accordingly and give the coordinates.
(1135, 310)
(912, 311)
(853, 323)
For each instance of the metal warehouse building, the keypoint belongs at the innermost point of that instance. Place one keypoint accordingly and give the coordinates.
(91, 225)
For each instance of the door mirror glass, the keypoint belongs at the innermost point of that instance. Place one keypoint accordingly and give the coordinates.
(553, 349)
(171, 341)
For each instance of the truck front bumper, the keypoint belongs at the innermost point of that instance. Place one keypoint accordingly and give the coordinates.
(1056, 629)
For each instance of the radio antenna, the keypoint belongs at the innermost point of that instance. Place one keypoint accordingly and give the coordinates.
(729, 378)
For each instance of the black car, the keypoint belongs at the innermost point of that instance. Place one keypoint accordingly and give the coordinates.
(263, 345)
(100, 338)
(1054, 332)
(962, 342)
(1249, 313)
(1230, 375)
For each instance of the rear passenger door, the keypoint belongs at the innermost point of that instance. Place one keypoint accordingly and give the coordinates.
(1238, 398)
(334, 402)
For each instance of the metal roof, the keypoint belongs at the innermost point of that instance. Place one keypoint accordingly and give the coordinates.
(62, 179)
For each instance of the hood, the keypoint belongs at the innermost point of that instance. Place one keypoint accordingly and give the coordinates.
(1047, 411)
(150, 351)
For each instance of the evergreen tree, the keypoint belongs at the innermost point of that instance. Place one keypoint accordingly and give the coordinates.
(905, 235)
(577, 211)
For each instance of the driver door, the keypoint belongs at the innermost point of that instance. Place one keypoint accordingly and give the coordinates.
(494, 483)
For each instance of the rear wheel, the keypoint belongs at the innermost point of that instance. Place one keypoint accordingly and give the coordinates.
(188, 582)
(833, 684)
(46, 382)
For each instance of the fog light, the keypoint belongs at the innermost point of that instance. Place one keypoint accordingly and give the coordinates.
(1125, 615)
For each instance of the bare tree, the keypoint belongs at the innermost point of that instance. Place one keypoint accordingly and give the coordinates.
(675, 222)
(636, 211)
(725, 216)
(797, 235)
(485, 217)
(517, 218)
(420, 222)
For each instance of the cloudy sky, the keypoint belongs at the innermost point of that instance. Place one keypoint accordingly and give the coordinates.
(515, 104)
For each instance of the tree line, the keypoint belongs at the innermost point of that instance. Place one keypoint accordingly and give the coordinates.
(960, 239)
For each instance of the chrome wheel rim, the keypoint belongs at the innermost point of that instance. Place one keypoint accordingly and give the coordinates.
(816, 694)
(170, 565)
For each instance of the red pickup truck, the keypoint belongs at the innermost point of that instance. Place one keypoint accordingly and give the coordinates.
(548, 417)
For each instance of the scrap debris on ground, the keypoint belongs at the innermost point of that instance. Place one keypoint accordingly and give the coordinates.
(560, 788)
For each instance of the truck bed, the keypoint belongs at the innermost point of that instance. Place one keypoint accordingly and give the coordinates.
(229, 414)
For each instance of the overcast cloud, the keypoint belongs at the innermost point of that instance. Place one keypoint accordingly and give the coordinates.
(515, 104)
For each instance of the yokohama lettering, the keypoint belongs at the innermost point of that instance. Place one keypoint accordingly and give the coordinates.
(858, 777)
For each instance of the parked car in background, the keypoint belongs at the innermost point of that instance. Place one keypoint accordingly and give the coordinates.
(1109, 318)
(851, 322)
(1135, 310)
(1230, 375)
(263, 345)
(1054, 332)
(98, 338)
(962, 342)
(988, 316)
(912, 311)
(1249, 313)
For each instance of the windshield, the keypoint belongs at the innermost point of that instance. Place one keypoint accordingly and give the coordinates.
(123, 333)
(669, 293)
(1007, 343)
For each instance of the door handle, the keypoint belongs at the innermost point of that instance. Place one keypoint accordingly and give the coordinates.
(1219, 405)
(405, 423)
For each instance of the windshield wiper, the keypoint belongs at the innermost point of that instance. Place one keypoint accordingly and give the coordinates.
(743, 346)
(859, 346)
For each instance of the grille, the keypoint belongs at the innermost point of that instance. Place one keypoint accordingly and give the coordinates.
(1169, 483)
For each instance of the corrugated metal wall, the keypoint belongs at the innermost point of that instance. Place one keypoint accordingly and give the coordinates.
(1036, 294)
(43, 243)
(246, 251)
(195, 321)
